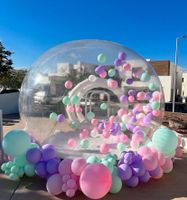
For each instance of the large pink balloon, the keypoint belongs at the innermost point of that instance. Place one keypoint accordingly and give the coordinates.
(54, 184)
(95, 181)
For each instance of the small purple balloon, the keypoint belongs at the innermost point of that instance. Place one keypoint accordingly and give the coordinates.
(60, 118)
(129, 127)
(52, 166)
(155, 172)
(122, 56)
(123, 99)
(99, 69)
(129, 81)
(132, 182)
(138, 169)
(101, 126)
(148, 95)
(117, 62)
(124, 171)
(132, 92)
(136, 128)
(40, 169)
(129, 157)
(48, 152)
(33, 155)
(145, 178)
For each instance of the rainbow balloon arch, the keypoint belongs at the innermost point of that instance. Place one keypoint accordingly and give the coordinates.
(110, 122)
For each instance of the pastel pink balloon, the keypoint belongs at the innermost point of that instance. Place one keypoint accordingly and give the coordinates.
(78, 165)
(68, 84)
(78, 109)
(83, 135)
(54, 184)
(107, 125)
(179, 152)
(137, 138)
(106, 134)
(140, 96)
(123, 138)
(116, 139)
(159, 175)
(154, 152)
(112, 84)
(121, 112)
(103, 74)
(112, 118)
(150, 162)
(131, 99)
(65, 166)
(70, 193)
(156, 113)
(95, 181)
(168, 165)
(156, 95)
(138, 107)
(104, 148)
(161, 158)
(94, 122)
(126, 66)
(134, 144)
(70, 108)
(145, 151)
(72, 142)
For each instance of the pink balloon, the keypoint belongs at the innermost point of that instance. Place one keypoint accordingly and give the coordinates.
(94, 122)
(104, 148)
(121, 112)
(103, 74)
(156, 95)
(78, 109)
(168, 166)
(65, 167)
(68, 84)
(78, 165)
(123, 138)
(150, 162)
(54, 184)
(95, 181)
(83, 135)
(179, 152)
(107, 125)
(159, 175)
(131, 99)
(141, 96)
(161, 158)
(112, 118)
(156, 113)
(112, 83)
(72, 142)
(70, 108)
(106, 134)
(143, 151)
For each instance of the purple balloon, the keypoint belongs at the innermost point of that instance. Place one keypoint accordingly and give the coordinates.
(99, 69)
(130, 127)
(133, 120)
(123, 99)
(40, 169)
(33, 155)
(52, 166)
(140, 133)
(124, 172)
(122, 56)
(60, 118)
(148, 95)
(145, 178)
(129, 81)
(117, 62)
(138, 169)
(132, 92)
(136, 128)
(132, 182)
(128, 158)
(115, 128)
(48, 152)
(155, 172)
(101, 126)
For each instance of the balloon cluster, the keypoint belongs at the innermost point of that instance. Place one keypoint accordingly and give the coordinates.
(15, 145)
(44, 160)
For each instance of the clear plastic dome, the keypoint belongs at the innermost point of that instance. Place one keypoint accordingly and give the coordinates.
(91, 97)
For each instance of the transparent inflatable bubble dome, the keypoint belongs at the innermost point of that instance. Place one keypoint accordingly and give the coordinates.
(91, 97)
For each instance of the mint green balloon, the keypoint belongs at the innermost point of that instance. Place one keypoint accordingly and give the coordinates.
(74, 100)
(16, 142)
(103, 106)
(92, 159)
(84, 143)
(152, 86)
(120, 147)
(14, 177)
(20, 172)
(111, 72)
(3, 167)
(101, 58)
(145, 77)
(116, 184)
(109, 165)
(9, 164)
(112, 160)
(74, 125)
(155, 105)
(20, 161)
(29, 170)
(90, 115)
(34, 145)
(14, 169)
(7, 172)
(165, 141)
(123, 126)
(66, 100)
(53, 116)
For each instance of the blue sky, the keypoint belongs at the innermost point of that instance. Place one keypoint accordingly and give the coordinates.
(149, 27)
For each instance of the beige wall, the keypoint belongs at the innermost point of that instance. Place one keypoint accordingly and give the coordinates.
(166, 85)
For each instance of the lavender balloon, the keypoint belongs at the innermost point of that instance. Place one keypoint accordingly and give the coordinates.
(132, 182)
(124, 172)
(145, 178)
